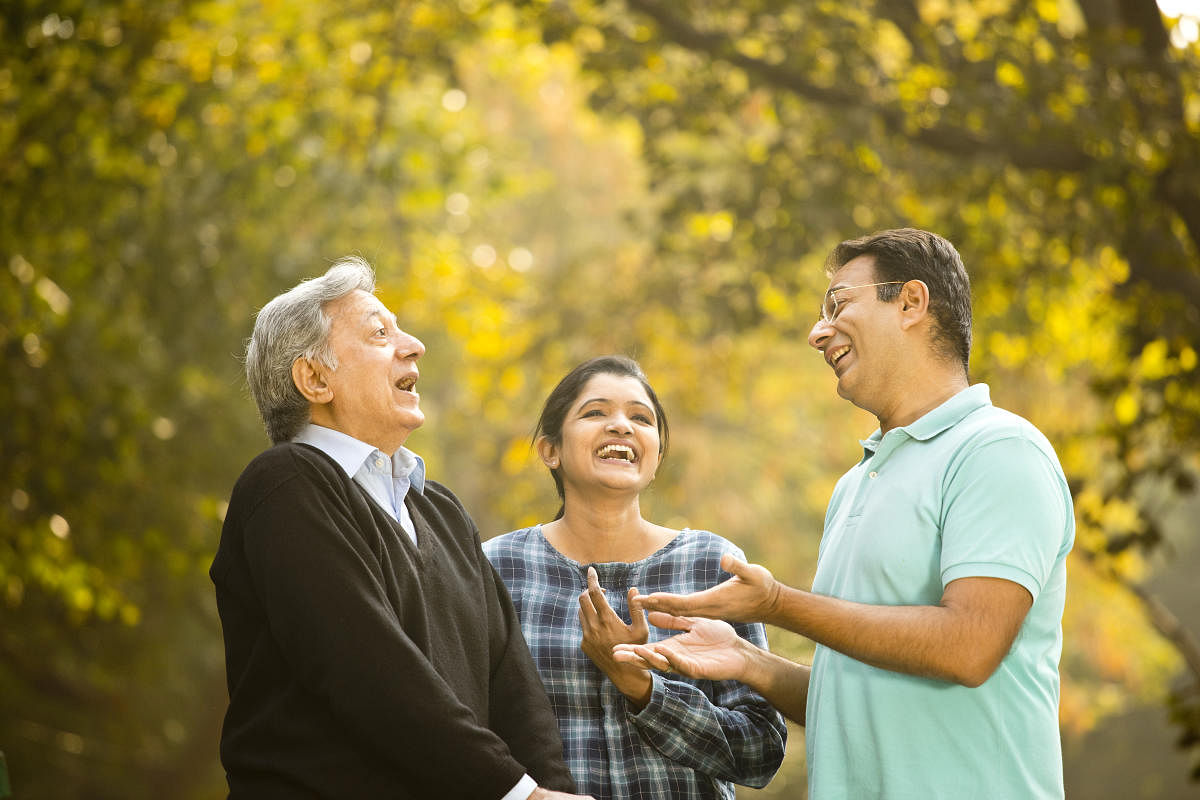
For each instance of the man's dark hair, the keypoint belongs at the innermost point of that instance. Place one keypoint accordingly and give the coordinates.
(905, 254)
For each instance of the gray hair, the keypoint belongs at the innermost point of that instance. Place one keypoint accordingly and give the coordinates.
(294, 325)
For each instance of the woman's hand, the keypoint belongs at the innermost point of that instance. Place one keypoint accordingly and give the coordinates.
(603, 630)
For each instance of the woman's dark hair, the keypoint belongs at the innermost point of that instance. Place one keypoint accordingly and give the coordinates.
(564, 395)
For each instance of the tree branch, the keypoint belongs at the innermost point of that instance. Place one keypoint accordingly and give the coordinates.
(1145, 18)
(944, 138)
(1176, 186)
(1169, 626)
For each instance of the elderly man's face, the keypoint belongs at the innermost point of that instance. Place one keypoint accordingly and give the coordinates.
(374, 396)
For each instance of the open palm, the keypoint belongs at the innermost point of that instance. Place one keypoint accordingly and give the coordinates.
(706, 648)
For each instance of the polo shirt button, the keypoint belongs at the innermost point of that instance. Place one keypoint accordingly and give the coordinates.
(874, 474)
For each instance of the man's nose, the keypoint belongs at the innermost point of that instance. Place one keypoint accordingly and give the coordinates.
(820, 333)
(409, 346)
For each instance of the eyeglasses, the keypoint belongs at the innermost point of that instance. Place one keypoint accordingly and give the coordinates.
(831, 306)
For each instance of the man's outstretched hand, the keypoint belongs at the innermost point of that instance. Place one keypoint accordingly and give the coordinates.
(706, 648)
(751, 595)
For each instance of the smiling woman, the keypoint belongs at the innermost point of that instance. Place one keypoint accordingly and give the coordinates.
(626, 732)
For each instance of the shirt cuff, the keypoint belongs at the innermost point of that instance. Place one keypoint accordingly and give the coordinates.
(658, 698)
(522, 790)
(990, 570)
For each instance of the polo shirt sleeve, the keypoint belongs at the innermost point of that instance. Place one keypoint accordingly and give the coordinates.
(1003, 515)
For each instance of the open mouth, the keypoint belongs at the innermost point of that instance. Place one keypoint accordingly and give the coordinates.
(618, 452)
(838, 355)
(407, 383)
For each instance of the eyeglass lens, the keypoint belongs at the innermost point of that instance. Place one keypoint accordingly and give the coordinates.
(829, 307)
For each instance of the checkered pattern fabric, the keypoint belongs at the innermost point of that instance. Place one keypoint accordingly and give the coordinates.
(695, 738)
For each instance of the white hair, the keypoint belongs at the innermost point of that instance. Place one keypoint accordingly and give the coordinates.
(295, 325)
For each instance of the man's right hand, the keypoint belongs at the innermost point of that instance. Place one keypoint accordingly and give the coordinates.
(751, 595)
(546, 794)
(706, 648)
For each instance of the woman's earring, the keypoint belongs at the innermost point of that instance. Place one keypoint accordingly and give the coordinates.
(552, 463)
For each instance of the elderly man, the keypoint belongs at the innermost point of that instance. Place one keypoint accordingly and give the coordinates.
(938, 597)
(371, 651)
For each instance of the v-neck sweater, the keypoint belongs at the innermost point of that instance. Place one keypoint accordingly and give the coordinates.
(360, 664)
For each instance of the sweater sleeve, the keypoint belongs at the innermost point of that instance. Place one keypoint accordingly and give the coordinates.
(325, 603)
(520, 710)
(734, 735)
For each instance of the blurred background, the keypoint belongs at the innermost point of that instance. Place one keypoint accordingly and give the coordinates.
(540, 182)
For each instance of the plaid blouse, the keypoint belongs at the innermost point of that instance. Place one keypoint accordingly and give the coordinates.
(695, 738)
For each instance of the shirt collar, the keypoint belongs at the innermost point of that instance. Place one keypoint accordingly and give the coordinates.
(944, 416)
(406, 462)
(350, 453)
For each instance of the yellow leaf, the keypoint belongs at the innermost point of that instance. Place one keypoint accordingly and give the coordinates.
(1154, 361)
(1126, 407)
(1009, 74)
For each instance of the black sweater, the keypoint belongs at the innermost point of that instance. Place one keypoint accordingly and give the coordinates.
(361, 665)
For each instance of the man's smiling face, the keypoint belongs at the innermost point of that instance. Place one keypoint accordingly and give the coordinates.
(374, 396)
(860, 342)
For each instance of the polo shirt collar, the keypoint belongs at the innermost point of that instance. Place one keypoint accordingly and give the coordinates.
(350, 453)
(945, 416)
(951, 412)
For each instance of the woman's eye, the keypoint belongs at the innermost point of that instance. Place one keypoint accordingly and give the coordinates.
(595, 412)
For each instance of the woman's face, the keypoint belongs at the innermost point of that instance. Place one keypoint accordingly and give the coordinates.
(609, 437)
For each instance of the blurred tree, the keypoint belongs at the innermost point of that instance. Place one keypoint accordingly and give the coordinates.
(166, 168)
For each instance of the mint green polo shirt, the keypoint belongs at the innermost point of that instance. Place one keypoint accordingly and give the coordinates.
(967, 490)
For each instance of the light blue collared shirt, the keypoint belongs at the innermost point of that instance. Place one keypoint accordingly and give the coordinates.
(387, 480)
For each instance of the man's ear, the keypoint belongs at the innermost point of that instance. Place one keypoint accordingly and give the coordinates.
(309, 378)
(914, 303)
(548, 452)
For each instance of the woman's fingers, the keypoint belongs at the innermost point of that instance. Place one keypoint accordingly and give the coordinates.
(625, 654)
(641, 655)
(587, 611)
(596, 592)
(640, 629)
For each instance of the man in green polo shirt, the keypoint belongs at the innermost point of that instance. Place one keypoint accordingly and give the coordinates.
(938, 597)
